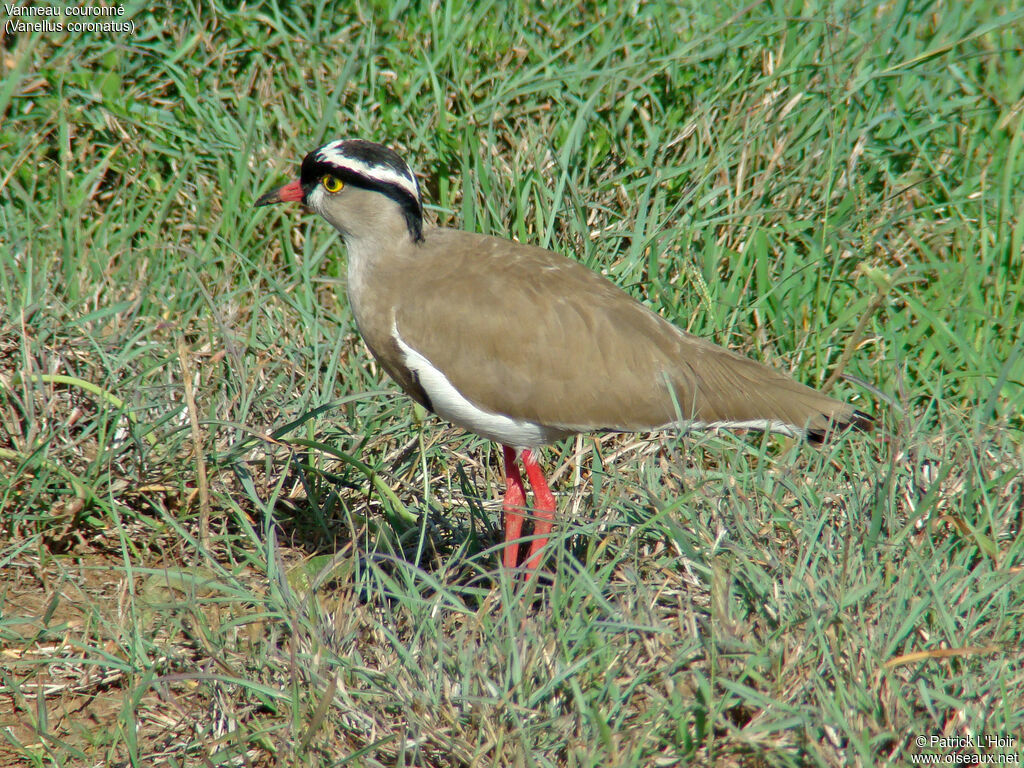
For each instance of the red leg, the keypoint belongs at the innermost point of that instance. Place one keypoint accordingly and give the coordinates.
(544, 503)
(515, 502)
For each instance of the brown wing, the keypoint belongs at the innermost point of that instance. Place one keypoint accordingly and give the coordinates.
(541, 338)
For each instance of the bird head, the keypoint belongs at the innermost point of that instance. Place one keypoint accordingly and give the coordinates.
(360, 187)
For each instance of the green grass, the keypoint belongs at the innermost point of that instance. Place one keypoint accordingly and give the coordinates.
(226, 539)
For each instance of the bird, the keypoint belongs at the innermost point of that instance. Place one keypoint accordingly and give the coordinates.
(525, 346)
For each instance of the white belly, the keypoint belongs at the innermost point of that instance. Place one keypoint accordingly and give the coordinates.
(450, 404)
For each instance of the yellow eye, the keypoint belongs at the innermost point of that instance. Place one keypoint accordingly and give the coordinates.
(332, 183)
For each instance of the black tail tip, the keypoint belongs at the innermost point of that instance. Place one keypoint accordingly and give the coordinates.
(857, 420)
